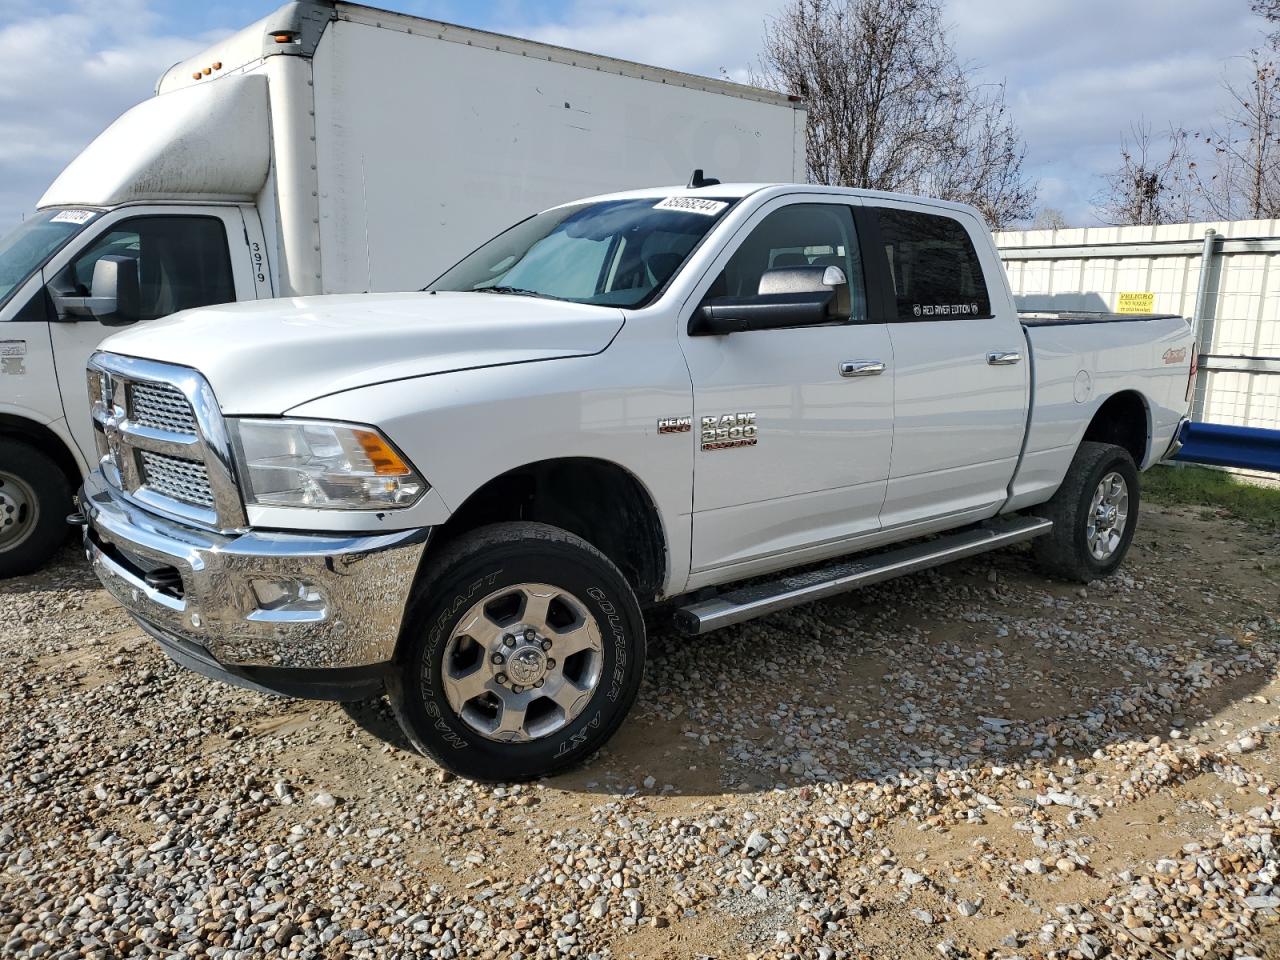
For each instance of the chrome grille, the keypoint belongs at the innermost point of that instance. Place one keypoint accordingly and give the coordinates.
(161, 407)
(161, 440)
(178, 479)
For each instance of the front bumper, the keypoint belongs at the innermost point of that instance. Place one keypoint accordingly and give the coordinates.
(310, 615)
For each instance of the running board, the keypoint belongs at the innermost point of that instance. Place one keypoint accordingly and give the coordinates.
(747, 603)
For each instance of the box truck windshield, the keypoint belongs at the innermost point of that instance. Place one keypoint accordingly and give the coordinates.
(25, 249)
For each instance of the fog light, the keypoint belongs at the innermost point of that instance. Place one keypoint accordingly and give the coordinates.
(290, 597)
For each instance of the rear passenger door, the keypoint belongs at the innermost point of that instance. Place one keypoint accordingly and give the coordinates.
(960, 371)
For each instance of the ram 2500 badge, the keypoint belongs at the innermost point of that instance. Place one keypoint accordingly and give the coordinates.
(468, 496)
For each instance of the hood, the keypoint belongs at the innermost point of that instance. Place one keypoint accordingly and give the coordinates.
(268, 356)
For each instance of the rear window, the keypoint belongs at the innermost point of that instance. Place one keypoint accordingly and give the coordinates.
(933, 266)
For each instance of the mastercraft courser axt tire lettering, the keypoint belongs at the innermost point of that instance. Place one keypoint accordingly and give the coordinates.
(522, 653)
(1094, 514)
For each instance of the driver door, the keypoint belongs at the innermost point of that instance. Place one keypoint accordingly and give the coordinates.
(184, 260)
(820, 399)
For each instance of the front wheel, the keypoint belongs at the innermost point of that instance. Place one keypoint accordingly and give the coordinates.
(1094, 514)
(35, 499)
(522, 652)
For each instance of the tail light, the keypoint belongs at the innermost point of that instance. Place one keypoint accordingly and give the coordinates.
(1191, 376)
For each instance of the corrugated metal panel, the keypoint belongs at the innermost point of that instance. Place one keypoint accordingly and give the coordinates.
(1088, 268)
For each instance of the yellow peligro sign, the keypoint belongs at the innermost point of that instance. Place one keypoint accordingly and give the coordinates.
(1136, 303)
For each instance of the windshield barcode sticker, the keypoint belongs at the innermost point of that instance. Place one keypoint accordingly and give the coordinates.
(74, 216)
(692, 205)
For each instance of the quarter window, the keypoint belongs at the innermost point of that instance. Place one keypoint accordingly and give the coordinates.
(933, 266)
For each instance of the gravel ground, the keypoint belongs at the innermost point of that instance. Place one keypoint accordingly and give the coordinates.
(974, 762)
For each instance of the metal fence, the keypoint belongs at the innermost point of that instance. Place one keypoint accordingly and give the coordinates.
(1225, 276)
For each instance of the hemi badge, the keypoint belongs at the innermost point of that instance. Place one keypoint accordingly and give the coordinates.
(675, 424)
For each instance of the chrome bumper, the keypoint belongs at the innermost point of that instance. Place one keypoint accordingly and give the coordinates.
(256, 603)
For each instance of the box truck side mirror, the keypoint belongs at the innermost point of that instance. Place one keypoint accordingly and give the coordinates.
(114, 296)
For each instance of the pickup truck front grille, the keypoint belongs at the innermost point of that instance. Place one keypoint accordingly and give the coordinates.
(162, 441)
(183, 480)
(161, 406)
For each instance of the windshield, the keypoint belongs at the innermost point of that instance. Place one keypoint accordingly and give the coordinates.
(616, 252)
(25, 248)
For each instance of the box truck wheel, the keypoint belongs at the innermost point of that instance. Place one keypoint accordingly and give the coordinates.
(522, 652)
(35, 499)
(1094, 514)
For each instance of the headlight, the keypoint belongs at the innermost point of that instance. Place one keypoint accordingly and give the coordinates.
(320, 465)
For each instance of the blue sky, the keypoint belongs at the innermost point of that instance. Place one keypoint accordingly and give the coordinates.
(1078, 71)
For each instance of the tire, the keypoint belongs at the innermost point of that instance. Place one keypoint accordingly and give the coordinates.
(1067, 551)
(459, 707)
(35, 499)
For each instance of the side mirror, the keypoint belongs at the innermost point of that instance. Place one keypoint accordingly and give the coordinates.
(114, 296)
(786, 297)
(115, 289)
(810, 279)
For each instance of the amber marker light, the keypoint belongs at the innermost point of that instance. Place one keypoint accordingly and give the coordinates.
(386, 462)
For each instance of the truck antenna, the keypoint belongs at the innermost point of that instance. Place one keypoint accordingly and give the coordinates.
(698, 180)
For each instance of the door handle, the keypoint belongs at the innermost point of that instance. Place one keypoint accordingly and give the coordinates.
(861, 368)
(1001, 359)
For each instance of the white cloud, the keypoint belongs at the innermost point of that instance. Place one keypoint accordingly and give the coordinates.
(63, 78)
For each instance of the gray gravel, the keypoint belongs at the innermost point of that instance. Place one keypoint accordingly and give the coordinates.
(976, 762)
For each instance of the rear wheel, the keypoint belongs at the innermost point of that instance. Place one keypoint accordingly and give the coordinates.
(1094, 514)
(521, 655)
(35, 499)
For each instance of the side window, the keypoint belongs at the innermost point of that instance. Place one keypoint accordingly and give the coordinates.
(802, 234)
(933, 266)
(183, 262)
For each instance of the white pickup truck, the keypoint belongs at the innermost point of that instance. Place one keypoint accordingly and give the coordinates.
(468, 496)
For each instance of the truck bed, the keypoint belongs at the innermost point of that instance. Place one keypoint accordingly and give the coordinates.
(1049, 318)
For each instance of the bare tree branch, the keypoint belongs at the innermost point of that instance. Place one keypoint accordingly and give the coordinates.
(1246, 145)
(1152, 185)
(1049, 218)
(1241, 179)
(892, 108)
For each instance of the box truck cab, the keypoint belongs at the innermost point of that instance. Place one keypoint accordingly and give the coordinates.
(327, 148)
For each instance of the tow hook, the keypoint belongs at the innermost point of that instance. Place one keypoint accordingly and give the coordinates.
(77, 519)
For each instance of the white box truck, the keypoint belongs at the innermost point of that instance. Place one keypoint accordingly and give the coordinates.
(327, 148)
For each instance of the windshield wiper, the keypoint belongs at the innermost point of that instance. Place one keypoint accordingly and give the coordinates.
(516, 291)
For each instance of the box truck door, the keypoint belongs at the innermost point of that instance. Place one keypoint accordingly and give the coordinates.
(139, 264)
